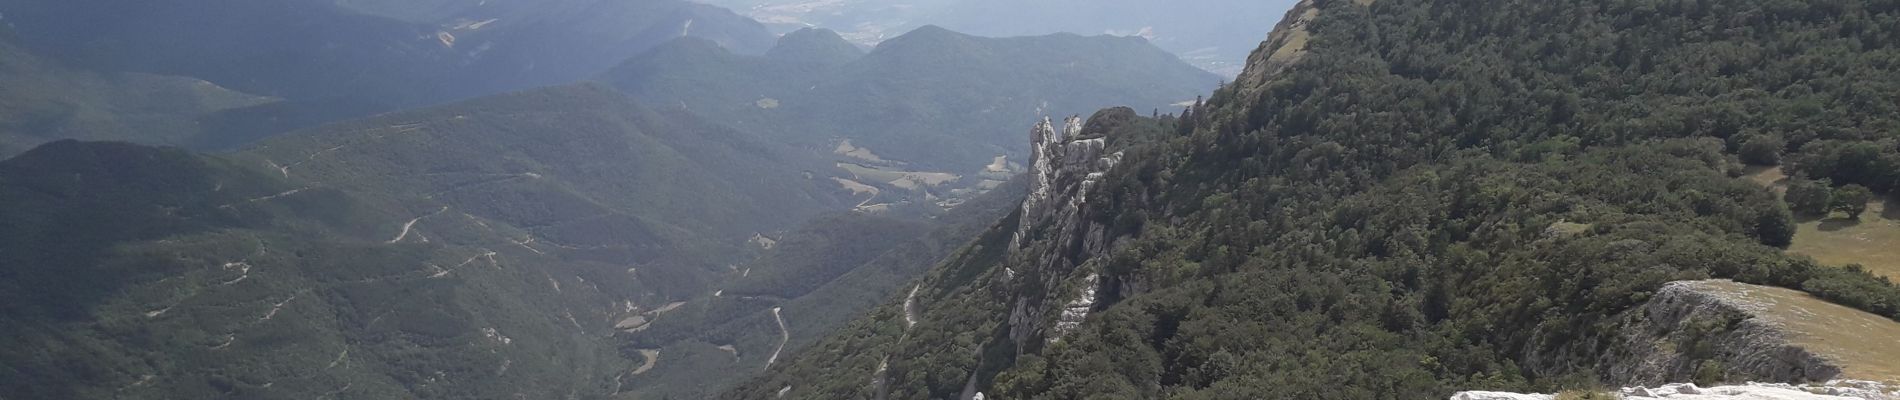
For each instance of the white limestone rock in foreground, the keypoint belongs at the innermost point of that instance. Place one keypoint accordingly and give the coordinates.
(1500, 396)
(1834, 390)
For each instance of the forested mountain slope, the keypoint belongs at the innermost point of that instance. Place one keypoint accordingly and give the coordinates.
(579, 167)
(1401, 199)
(133, 272)
(815, 279)
(483, 249)
(43, 100)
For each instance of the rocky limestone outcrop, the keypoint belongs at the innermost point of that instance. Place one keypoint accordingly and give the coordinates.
(1692, 328)
(1726, 331)
(1688, 324)
(1833, 390)
(1064, 166)
(1054, 241)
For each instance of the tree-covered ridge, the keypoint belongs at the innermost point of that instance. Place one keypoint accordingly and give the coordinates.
(482, 249)
(578, 167)
(134, 272)
(1438, 195)
(44, 100)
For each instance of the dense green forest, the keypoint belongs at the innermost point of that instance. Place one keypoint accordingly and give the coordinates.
(43, 100)
(1429, 196)
(135, 272)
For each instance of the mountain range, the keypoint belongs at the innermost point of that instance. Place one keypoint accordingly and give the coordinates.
(933, 98)
(1394, 199)
(1215, 35)
(443, 252)
(548, 242)
(330, 61)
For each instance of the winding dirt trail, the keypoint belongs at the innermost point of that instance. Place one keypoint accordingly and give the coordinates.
(784, 336)
(406, 227)
(266, 198)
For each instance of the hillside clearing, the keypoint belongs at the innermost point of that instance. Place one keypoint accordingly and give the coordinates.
(1866, 345)
(1840, 241)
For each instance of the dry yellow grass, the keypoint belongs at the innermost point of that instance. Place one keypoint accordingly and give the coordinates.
(1873, 241)
(1295, 45)
(652, 359)
(1586, 395)
(847, 149)
(1866, 346)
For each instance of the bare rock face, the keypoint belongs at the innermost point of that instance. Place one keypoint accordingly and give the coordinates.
(1705, 325)
(1482, 395)
(1834, 390)
(1053, 241)
(1725, 331)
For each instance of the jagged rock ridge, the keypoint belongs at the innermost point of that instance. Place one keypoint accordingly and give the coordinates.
(1066, 165)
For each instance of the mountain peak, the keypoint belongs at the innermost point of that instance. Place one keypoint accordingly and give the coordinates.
(69, 154)
(814, 45)
(928, 33)
(687, 44)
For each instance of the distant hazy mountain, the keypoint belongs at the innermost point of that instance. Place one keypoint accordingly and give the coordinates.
(358, 57)
(577, 166)
(931, 98)
(484, 249)
(42, 100)
(1214, 34)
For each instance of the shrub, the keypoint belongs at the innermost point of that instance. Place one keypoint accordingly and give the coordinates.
(1586, 395)
(1808, 197)
(1762, 150)
(1852, 199)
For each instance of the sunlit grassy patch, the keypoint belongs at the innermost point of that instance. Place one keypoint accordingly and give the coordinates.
(1873, 241)
(1865, 345)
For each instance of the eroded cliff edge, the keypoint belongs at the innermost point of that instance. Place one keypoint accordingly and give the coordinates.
(1729, 332)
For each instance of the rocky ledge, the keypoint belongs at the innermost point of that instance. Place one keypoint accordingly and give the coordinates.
(1726, 331)
(1832, 390)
